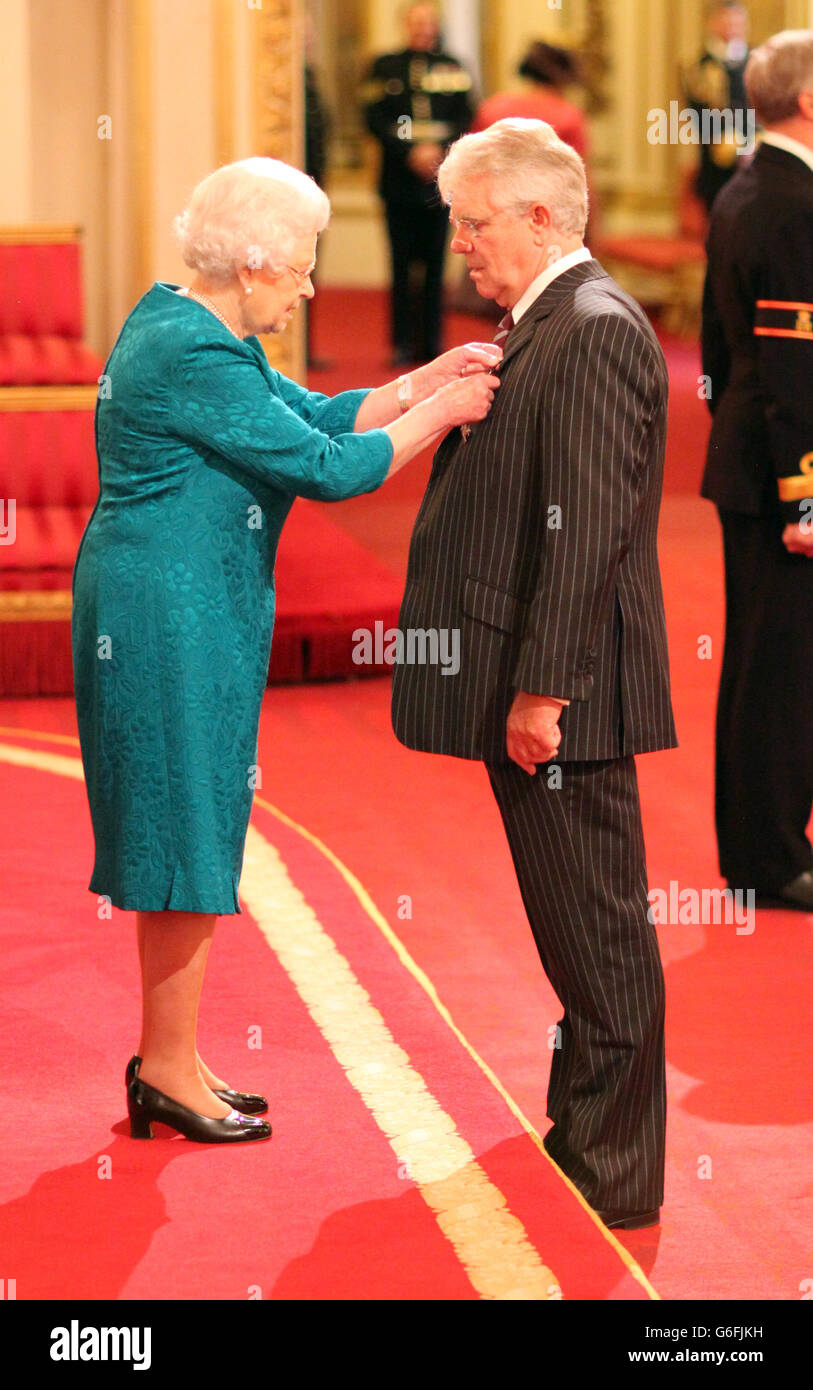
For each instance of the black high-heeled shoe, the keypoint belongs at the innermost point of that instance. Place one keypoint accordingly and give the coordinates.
(145, 1105)
(245, 1101)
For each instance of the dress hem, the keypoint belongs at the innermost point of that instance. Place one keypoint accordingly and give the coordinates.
(129, 902)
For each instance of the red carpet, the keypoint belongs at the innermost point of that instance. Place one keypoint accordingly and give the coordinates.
(332, 1212)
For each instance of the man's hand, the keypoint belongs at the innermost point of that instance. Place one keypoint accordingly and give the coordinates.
(798, 538)
(425, 160)
(532, 731)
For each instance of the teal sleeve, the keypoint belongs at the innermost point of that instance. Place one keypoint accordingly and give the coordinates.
(330, 414)
(221, 400)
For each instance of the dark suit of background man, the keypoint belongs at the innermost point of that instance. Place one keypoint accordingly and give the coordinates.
(417, 102)
(716, 83)
(758, 354)
(536, 539)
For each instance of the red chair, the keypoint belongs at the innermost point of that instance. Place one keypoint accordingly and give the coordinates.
(48, 472)
(665, 272)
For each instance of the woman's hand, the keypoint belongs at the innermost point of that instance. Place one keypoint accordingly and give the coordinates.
(382, 407)
(459, 402)
(461, 361)
(465, 399)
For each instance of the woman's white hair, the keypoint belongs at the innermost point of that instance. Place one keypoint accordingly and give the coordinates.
(250, 213)
(525, 163)
(777, 72)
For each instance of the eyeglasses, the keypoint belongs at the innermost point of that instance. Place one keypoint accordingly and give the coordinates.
(473, 226)
(302, 275)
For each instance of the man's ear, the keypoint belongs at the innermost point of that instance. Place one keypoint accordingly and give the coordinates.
(540, 218)
(806, 105)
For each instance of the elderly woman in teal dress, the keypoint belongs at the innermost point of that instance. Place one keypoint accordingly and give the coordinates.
(202, 450)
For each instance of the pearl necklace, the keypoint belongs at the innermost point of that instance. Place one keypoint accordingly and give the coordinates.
(207, 303)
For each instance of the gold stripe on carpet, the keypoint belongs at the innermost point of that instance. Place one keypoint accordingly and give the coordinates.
(490, 1242)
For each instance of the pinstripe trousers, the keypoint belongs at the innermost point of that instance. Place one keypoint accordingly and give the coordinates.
(578, 851)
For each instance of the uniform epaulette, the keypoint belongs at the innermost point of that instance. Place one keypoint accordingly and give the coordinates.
(783, 318)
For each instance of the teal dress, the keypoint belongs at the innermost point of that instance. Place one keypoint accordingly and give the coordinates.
(202, 450)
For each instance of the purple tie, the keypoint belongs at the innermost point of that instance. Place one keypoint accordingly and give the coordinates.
(505, 325)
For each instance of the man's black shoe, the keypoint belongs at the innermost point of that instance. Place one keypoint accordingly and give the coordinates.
(797, 894)
(630, 1220)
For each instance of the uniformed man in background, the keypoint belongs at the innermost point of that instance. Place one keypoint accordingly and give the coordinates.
(716, 83)
(758, 358)
(417, 102)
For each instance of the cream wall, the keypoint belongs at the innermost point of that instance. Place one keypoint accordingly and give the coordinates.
(183, 117)
(69, 162)
(15, 113)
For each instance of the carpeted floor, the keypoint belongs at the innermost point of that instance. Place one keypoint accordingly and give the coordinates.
(398, 1169)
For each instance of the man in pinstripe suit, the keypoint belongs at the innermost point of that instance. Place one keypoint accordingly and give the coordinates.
(536, 539)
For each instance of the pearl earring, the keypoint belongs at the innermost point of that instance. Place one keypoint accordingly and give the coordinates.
(249, 290)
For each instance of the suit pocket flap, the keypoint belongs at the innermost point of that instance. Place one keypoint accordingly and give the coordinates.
(497, 607)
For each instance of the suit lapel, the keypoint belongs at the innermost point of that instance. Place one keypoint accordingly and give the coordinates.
(550, 298)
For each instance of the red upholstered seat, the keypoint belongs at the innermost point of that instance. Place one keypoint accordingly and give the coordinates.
(44, 552)
(40, 287)
(48, 458)
(46, 361)
(48, 467)
(47, 454)
(41, 309)
(665, 271)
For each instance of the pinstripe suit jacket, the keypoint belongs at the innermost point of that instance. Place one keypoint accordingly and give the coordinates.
(536, 539)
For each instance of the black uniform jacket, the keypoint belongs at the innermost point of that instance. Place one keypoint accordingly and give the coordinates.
(758, 339)
(414, 98)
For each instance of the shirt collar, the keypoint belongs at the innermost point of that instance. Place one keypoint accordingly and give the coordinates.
(791, 146)
(548, 274)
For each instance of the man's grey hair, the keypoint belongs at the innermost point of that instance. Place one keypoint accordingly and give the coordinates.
(251, 213)
(777, 72)
(525, 163)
